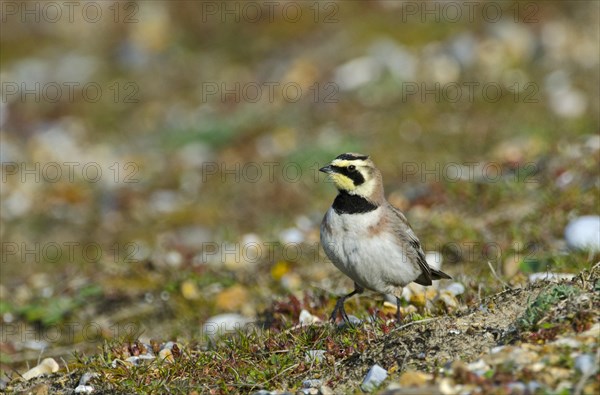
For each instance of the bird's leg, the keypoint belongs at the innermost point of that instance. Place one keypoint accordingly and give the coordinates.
(339, 305)
(398, 314)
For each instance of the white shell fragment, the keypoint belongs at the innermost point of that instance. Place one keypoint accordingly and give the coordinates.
(374, 378)
(47, 366)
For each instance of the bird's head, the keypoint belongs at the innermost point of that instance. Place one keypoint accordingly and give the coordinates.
(355, 174)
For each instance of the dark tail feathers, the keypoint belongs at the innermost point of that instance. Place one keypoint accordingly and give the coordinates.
(438, 274)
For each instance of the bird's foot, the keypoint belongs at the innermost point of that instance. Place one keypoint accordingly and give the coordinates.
(339, 308)
(398, 312)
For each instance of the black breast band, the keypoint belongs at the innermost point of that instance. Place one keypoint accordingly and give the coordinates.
(346, 203)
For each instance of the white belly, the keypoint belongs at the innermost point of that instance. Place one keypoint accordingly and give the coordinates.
(374, 260)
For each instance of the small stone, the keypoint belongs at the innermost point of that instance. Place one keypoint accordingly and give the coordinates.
(262, 392)
(456, 288)
(583, 233)
(586, 364)
(291, 236)
(325, 390)
(224, 323)
(133, 360)
(87, 377)
(315, 356)
(166, 355)
(374, 378)
(312, 383)
(352, 321)
(307, 318)
(47, 366)
(414, 379)
(139, 359)
(84, 389)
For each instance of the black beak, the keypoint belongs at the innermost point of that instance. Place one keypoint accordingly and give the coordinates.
(327, 169)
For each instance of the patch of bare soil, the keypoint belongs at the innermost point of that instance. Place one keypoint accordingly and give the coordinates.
(430, 344)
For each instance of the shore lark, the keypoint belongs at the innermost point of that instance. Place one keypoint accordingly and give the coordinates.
(367, 238)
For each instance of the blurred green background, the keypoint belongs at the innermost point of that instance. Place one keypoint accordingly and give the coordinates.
(159, 159)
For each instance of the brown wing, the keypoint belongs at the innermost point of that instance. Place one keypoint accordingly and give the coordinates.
(414, 251)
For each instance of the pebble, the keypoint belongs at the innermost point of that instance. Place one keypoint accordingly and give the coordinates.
(456, 288)
(139, 359)
(312, 383)
(374, 378)
(84, 389)
(586, 364)
(291, 236)
(352, 321)
(47, 366)
(224, 323)
(87, 377)
(166, 355)
(583, 233)
(307, 318)
(307, 391)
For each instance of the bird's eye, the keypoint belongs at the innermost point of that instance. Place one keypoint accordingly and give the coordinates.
(352, 168)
